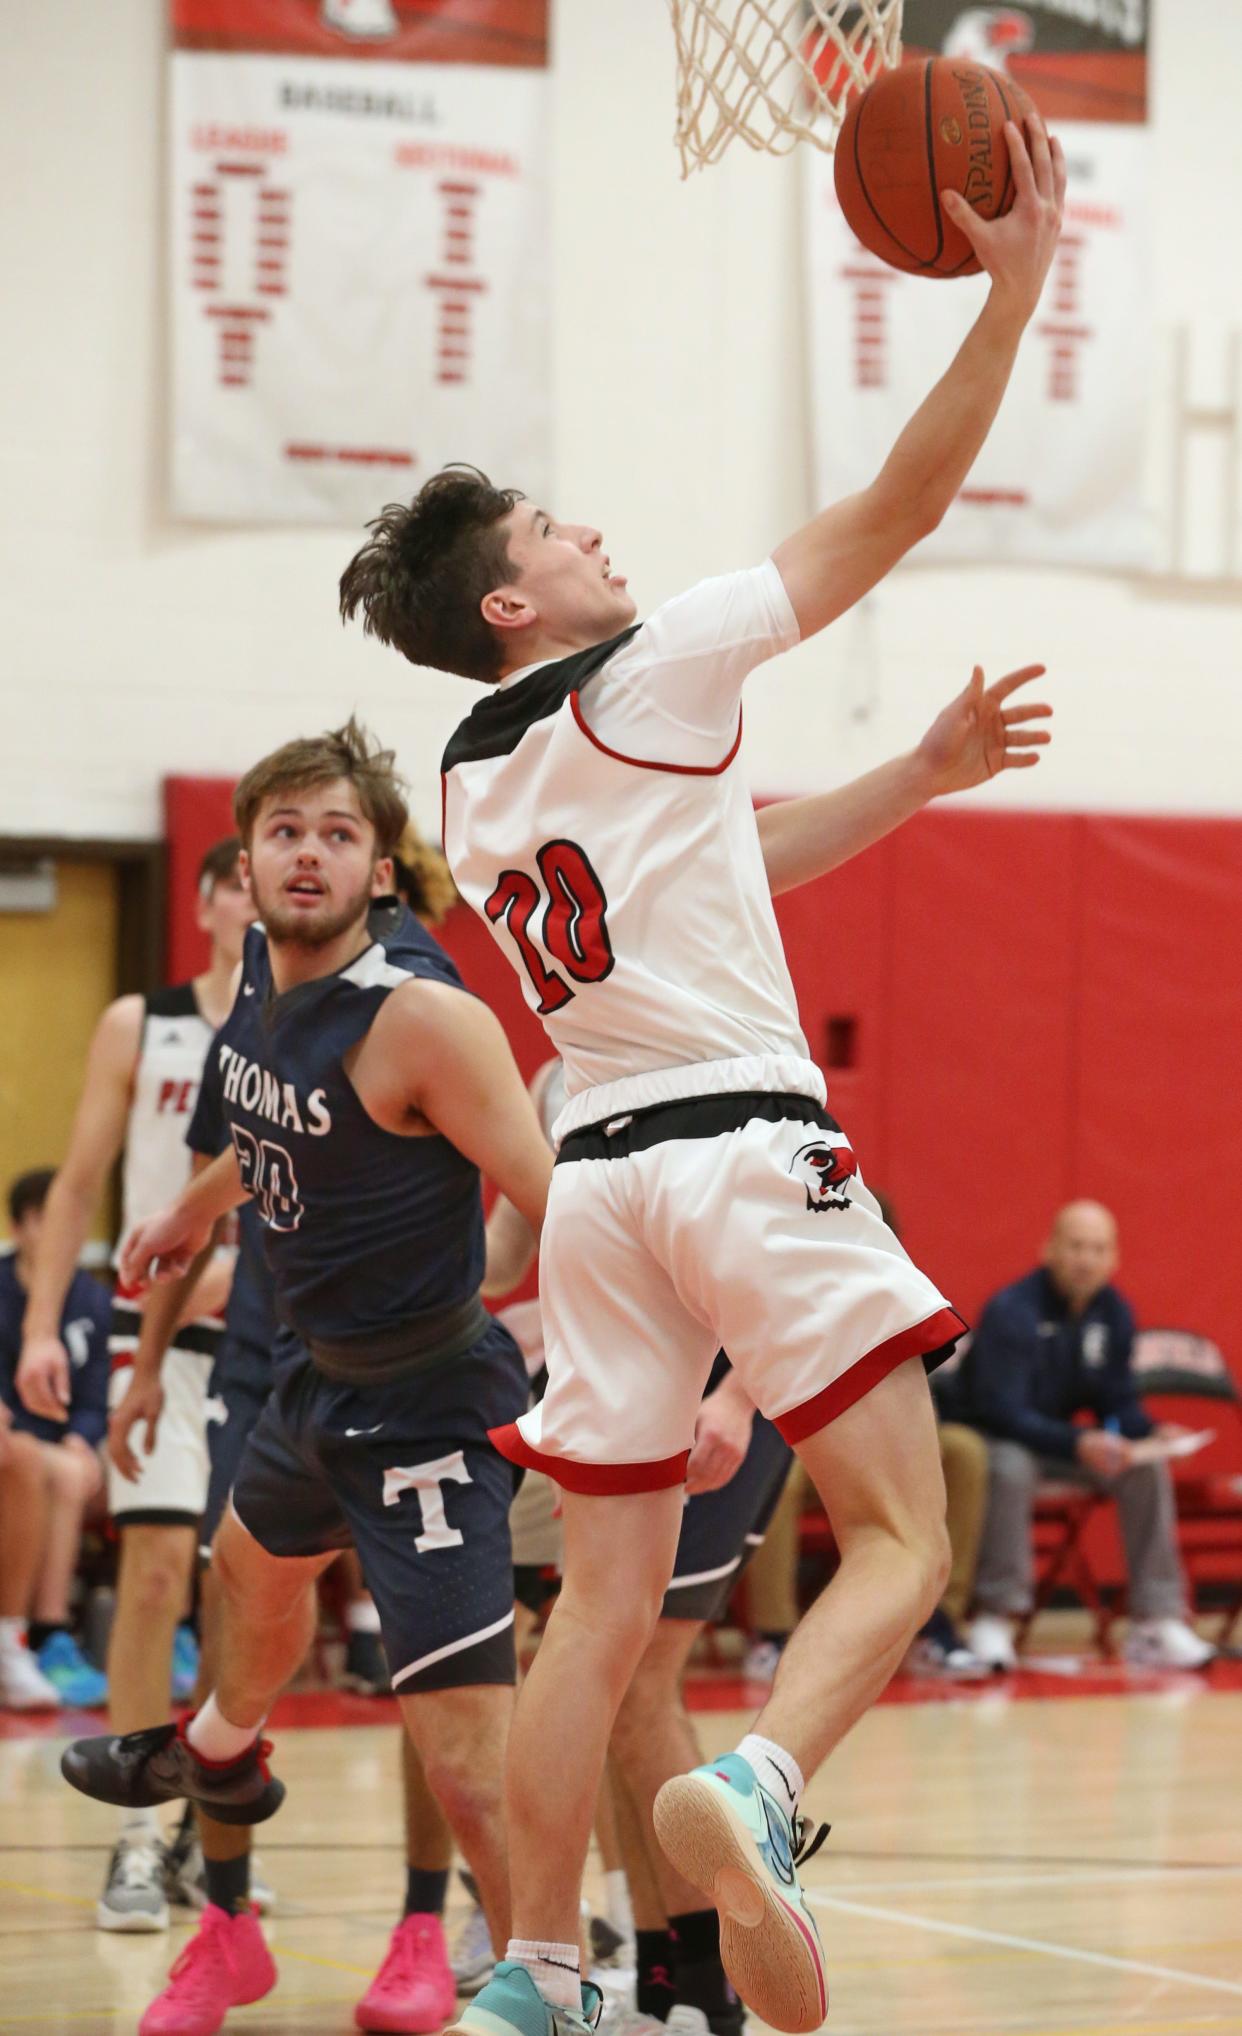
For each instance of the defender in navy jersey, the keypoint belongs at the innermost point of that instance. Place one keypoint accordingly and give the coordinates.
(363, 1090)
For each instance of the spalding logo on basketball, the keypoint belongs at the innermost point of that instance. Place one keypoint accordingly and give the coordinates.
(933, 124)
(824, 1171)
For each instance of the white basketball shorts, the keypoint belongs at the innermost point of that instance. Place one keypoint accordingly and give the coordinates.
(173, 1483)
(734, 1221)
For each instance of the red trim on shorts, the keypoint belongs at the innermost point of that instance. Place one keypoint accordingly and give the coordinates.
(599, 1478)
(121, 1360)
(642, 764)
(854, 1384)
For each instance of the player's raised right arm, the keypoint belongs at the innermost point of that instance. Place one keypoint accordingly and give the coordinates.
(835, 559)
(94, 1144)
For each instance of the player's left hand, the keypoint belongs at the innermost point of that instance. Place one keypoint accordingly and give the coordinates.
(977, 735)
(721, 1440)
(161, 1249)
(143, 1401)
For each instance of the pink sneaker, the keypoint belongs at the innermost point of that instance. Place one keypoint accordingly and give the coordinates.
(226, 1964)
(414, 1990)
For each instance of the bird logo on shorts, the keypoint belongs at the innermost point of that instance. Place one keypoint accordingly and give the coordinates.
(824, 1171)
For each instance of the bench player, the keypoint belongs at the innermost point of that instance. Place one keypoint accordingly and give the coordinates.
(702, 1195)
(141, 1081)
(363, 1088)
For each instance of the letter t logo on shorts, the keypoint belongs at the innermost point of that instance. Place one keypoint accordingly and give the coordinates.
(426, 1479)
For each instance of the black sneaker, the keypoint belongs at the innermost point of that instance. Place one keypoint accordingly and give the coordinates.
(159, 1766)
(365, 1670)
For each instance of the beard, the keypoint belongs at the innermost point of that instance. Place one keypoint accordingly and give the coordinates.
(291, 926)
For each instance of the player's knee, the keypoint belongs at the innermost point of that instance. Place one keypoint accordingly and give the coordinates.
(1010, 1464)
(153, 1581)
(23, 1464)
(468, 1796)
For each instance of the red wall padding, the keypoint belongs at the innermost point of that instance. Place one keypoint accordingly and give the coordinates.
(1043, 1006)
(197, 812)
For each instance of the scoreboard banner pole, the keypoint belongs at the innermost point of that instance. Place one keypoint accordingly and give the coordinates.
(1060, 480)
(360, 227)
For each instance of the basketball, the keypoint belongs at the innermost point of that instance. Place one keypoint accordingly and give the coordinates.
(927, 127)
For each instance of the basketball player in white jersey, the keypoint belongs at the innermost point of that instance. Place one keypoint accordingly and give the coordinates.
(142, 1078)
(702, 1194)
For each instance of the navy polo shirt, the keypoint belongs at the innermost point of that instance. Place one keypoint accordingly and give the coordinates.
(1033, 1365)
(84, 1327)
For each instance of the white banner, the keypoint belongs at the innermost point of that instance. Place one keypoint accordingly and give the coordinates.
(359, 267)
(1060, 479)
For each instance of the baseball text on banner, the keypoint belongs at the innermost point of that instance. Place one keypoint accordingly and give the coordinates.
(1060, 479)
(360, 236)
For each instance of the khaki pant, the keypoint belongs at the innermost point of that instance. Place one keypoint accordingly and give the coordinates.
(771, 1581)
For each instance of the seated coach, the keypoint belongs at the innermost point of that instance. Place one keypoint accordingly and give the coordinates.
(1054, 1346)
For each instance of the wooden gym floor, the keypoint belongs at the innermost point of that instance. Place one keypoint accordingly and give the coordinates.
(1000, 1861)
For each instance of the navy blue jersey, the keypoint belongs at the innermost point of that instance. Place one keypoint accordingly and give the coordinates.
(365, 1230)
(1033, 1365)
(250, 1317)
(84, 1322)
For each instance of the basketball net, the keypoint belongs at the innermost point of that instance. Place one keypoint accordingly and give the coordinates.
(775, 72)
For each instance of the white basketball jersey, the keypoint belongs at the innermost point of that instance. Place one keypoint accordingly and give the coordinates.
(625, 883)
(175, 1039)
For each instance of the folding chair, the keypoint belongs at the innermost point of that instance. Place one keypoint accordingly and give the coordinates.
(1176, 1365)
(1058, 1521)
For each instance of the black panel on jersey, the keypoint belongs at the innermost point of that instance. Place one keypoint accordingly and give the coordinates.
(177, 1002)
(496, 726)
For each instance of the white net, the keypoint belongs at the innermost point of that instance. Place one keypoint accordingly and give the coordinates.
(775, 72)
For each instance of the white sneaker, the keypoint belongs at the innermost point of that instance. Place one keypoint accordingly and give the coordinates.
(133, 1896)
(761, 1661)
(1166, 1643)
(472, 1958)
(23, 1685)
(990, 1637)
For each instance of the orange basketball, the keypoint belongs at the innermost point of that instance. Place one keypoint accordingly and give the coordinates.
(935, 124)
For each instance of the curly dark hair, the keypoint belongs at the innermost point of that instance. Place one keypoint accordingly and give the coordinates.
(422, 574)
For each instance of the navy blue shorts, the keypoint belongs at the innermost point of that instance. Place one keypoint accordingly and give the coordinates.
(721, 1530)
(237, 1393)
(405, 1473)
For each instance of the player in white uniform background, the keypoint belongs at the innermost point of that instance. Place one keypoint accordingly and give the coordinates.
(702, 1195)
(142, 1076)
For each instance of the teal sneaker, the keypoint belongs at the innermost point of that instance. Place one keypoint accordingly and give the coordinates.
(512, 2005)
(184, 1664)
(62, 1661)
(729, 1837)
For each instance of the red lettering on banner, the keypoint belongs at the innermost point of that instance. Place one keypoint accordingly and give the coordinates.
(264, 214)
(870, 318)
(272, 141)
(456, 311)
(479, 162)
(1067, 339)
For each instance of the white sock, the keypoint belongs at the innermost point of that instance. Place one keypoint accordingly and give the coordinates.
(361, 1616)
(554, 1969)
(617, 1901)
(775, 1770)
(140, 1825)
(214, 1739)
(12, 1634)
